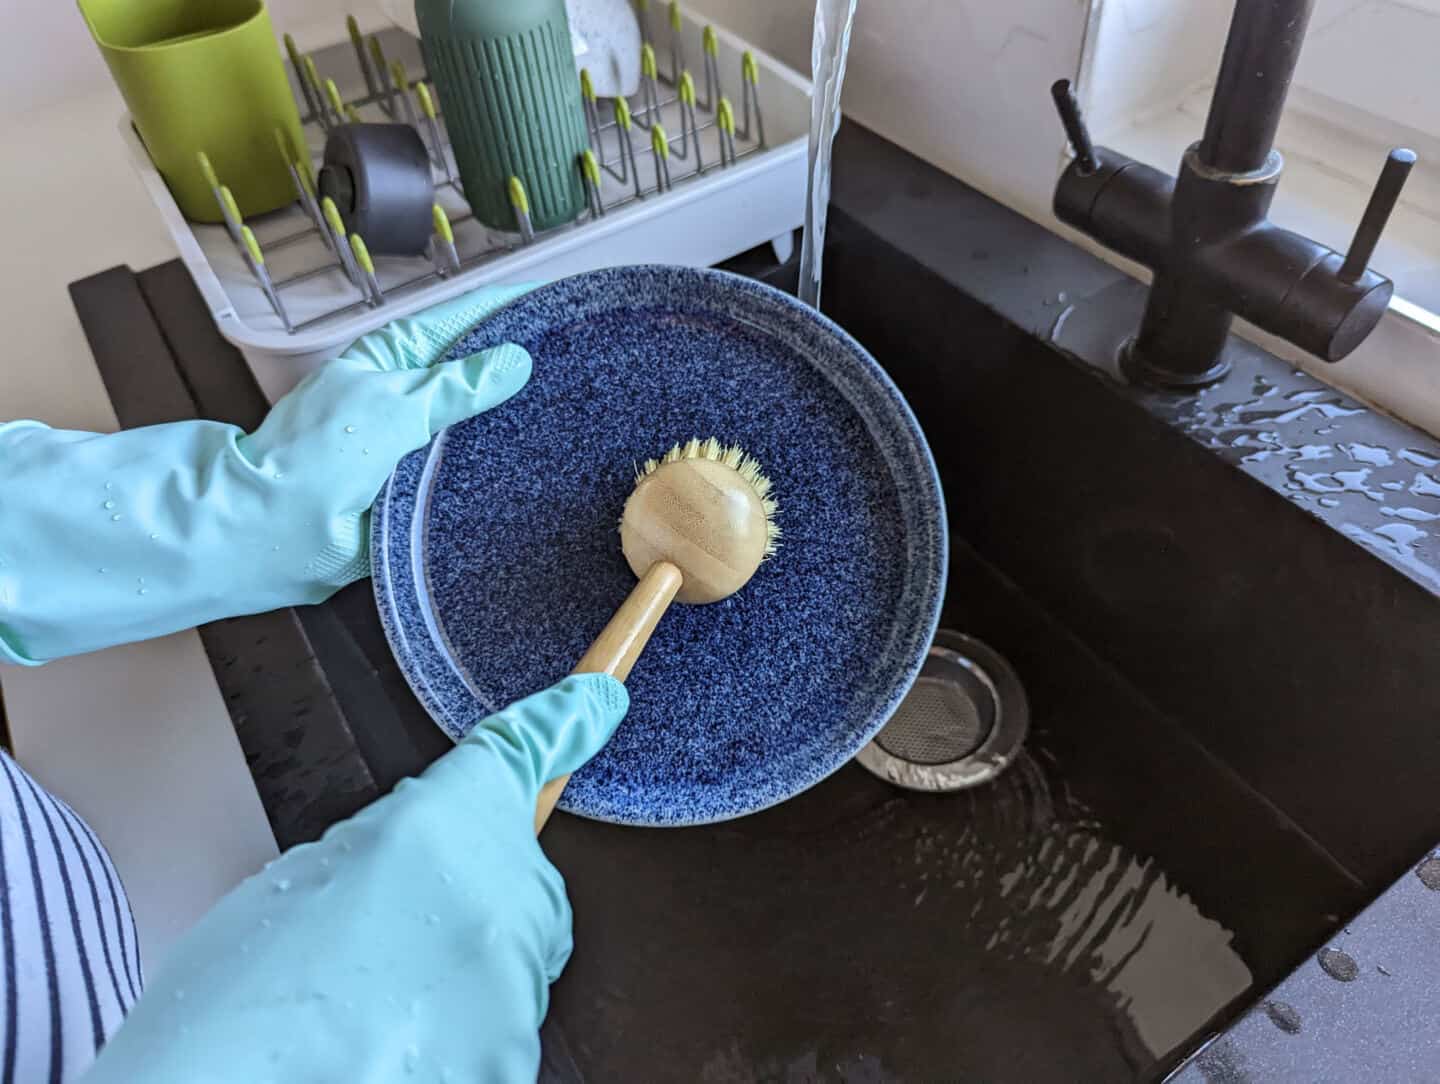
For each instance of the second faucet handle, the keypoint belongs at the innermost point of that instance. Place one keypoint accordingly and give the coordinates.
(1074, 124)
(1372, 223)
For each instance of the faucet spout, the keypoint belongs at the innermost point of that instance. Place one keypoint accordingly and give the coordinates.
(1261, 52)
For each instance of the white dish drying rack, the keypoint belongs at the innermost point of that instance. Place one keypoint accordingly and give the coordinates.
(697, 197)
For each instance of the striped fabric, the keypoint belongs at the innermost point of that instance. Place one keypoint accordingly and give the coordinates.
(69, 956)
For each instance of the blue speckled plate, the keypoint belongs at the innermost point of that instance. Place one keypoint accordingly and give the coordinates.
(497, 556)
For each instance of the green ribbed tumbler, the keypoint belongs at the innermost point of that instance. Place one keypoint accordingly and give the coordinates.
(505, 70)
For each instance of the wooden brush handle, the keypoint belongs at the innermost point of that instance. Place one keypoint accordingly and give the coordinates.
(617, 648)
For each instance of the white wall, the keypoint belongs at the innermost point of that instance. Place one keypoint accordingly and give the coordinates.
(934, 76)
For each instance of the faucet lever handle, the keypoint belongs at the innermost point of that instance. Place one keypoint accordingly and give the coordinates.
(1074, 124)
(1372, 223)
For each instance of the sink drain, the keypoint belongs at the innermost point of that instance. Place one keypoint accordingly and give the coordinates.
(960, 725)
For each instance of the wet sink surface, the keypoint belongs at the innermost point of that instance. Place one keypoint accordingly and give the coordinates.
(1081, 918)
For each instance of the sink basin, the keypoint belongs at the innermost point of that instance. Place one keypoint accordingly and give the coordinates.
(1090, 915)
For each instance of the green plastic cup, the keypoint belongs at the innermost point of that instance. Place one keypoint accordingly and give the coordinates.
(203, 75)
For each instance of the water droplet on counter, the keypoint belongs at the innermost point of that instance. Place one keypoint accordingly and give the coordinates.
(1325, 430)
(278, 474)
(349, 429)
(265, 923)
(141, 591)
(108, 505)
(282, 885)
(364, 451)
(1392, 486)
(1420, 459)
(115, 518)
(1382, 969)
(1425, 486)
(445, 878)
(1307, 453)
(109, 485)
(1329, 502)
(1372, 454)
(1307, 396)
(179, 995)
(432, 919)
(1414, 515)
(103, 571)
(1283, 1016)
(274, 549)
(1340, 966)
(154, 537)
(139, 579)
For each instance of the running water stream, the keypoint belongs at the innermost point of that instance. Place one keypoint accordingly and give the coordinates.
(834, 20)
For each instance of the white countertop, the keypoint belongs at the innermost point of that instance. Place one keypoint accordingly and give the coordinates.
(137, 738)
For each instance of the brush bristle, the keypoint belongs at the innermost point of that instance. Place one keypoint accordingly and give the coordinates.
(738, 460)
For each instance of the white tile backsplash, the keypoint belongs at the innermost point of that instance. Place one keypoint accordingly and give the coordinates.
(953, 81)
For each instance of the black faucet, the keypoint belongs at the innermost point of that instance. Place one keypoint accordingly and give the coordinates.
(1205, 234)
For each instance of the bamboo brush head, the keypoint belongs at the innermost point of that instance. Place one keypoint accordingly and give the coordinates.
(707, 509)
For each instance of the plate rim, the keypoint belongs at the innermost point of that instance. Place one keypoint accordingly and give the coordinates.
(928, 608)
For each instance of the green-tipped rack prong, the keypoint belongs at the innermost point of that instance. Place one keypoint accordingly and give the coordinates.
(441, 220)
(232, 209)
(357, 42)
(400, 81)
(361, 254)
(725, 121)
(519, 198)
(334, 228)
(591, 106)
(660, 146)
(207, 170)
(256, 259)
(689, 122)
(352, 115)
(367, 269)
(337, 103)
(710, 39)
(590, 170)
(677, 43)
(624, 122)
(432, 128)
(444, 241)
(382, 74)
(230, 213)
(311, 78)
(297, 64)
(252, 246)
(520, 201)
(750, 73)
(332, 216)
(649, 90)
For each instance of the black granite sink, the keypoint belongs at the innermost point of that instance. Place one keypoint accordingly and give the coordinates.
(1228, 651)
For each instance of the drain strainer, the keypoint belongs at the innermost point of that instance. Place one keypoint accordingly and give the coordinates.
(960, 725)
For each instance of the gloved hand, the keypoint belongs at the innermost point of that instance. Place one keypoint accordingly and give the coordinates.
(416, 940)
(107, 539)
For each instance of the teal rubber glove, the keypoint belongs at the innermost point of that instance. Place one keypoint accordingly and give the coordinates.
(415, 941)
(108, 539)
